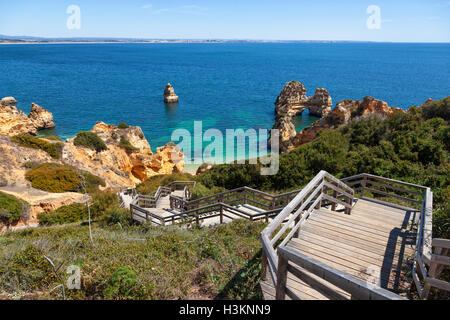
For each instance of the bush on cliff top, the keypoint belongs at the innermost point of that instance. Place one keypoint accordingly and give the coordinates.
(29, 141)
(12, 208)
(124, 143)
(53, 177)
(123, 125)
(89, 140)
(65, 214)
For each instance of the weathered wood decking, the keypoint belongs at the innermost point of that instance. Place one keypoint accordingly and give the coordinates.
(374, 243)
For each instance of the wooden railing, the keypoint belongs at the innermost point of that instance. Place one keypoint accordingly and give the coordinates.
(358, 289)
(243, 195)
(439, 260)
(313, 196)
(150, 201)
(418, 196)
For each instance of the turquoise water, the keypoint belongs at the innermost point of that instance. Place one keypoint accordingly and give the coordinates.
(224, 85)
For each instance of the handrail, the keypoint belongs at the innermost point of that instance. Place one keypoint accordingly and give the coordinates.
(358, 289)
(298, 210)
(416, 194)
(247, 194)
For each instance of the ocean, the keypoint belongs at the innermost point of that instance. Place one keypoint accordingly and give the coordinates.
(224, 85)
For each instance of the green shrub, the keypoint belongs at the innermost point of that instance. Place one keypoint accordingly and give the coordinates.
(12, 208)
(151, 184)
(29, 141)
(123, 125)
(53, 177)
(102, 202)
(122, 284)
(89, 140)
(438, 108)
(200, 191)
(116, 215)
(65, 214)
(124, 143)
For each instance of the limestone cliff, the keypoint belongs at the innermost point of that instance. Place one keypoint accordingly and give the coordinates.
(14, 121)
(121, 166)
(293, 101)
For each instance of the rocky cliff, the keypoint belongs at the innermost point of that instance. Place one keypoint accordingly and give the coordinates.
(293, 101)
(127, 160)
(14, 121)
(119, 165)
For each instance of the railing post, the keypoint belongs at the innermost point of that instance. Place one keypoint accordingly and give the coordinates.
(221, 214)
(363, 185)
(197, 220)
(280, 291)
(264, 263)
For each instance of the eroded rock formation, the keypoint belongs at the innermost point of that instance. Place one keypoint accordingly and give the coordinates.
(41, 118)
(121, 166)
(169, 94)
(292, 101)
(14, 121)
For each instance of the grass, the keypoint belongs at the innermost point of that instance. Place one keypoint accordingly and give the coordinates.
(136, 262)
(12, 208)
(29, 141)
(90, 140)
(53, 177)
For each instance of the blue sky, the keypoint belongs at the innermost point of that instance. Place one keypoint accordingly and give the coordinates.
(401, 20)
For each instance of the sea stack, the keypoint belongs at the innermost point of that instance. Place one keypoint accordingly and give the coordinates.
(169, 94)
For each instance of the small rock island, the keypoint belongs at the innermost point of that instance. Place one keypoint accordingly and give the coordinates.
(169, 94)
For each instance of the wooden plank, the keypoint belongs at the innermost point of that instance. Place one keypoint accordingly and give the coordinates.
(326, 289)
(364, 254)
(339, 190)
(440, 259)
(338, 218)
(345, 264)
(355, 242)
(342, 203)
(355, 220)
(348, 283)
(439, 283)
(441, 243)
(361, 236)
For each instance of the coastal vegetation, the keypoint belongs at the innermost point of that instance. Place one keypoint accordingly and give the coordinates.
(65, 214)
(29, 141)
(53, 177)
(124, 143)
(122, 125)
(52, 138)
(90, 140)
(135, 262)
(12, 208)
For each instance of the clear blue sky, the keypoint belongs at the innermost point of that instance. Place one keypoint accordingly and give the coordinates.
(401, 20)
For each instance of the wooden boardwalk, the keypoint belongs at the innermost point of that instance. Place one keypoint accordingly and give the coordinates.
(374, 243)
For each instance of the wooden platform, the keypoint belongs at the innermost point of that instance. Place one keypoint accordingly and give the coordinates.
(374, 243)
